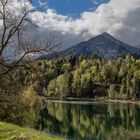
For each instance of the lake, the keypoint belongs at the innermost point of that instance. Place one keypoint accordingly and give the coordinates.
(90, 120)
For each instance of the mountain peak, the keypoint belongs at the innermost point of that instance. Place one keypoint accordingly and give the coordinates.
(104, 45)
(103, 36)
(107, 35)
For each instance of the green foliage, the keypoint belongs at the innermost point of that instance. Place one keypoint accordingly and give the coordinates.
(66, 67)
(78, 77)
(30, 97)
(111, 91)
(76, 84)
(86, 83)
(51, 88)
(83, 77)
(136, 84)
(122, 89)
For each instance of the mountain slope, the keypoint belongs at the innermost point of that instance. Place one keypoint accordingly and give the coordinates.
(104, 45)
(138, 46)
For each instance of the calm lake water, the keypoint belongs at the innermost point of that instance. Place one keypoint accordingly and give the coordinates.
(90, 121)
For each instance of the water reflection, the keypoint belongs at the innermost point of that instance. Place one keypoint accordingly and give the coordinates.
(91, 121)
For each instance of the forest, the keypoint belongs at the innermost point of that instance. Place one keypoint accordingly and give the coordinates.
(77, 77)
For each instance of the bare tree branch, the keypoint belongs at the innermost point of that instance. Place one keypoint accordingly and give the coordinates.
(12, 37)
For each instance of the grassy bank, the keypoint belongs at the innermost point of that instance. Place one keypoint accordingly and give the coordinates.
(13, 132)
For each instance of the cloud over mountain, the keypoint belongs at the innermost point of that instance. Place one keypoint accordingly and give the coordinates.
(117, 17)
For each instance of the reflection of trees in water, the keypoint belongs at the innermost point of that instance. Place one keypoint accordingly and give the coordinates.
(88, 121)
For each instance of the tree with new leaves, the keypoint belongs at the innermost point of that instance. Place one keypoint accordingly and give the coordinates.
(76, 83)
(111, 91)
(86, 84)
(136, 84)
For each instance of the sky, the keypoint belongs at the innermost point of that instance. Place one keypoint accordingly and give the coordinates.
(71, 8)
(73, 21)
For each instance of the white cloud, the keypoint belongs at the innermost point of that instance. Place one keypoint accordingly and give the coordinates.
(118, 17)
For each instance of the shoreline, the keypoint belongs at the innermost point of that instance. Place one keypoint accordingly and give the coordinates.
(90, 100)
(125, 101)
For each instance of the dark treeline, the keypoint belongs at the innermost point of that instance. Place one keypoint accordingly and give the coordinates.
(80, 77)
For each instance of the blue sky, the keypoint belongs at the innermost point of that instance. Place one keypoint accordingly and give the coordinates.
(72, 8)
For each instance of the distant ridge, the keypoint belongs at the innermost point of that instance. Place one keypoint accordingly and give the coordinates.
(138, 46)
(104, 45)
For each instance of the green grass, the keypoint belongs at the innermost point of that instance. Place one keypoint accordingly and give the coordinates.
(13, 132)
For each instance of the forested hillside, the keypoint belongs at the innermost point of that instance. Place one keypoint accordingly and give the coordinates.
(79, 77)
